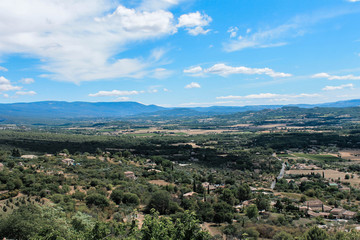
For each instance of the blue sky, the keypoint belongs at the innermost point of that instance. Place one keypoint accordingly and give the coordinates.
(180, 52)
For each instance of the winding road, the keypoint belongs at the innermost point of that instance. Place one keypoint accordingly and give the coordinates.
(280, 176)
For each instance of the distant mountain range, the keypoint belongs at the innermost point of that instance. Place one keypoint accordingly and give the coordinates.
(72, 110)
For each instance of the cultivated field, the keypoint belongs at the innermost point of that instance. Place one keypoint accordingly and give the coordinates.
(329, 174)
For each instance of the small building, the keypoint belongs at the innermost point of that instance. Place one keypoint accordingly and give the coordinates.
(29, 156)
(68, 161)
(1, 166)
(130, 175)
(337, 212)
(344, 189)
(327, 208)
(303, 209)
(304, 179)
(313, 214)
(349, 214)
(315, 205)
(189, 194)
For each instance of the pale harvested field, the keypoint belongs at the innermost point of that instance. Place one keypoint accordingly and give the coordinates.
(241, 125)
(159, 182)
(330, 174)
(185, 131)
(350, 154)
(272, 125)
(193, 145)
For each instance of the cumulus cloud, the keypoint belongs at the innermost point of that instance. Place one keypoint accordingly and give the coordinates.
(330, 88)
(270, 96)
(84, 40)
(335, 77)
(113, 93)
(194, 23)
(225, 70)
(193, 85)
(6, 85)
(24, 93)
(27, 80)
(3, 69)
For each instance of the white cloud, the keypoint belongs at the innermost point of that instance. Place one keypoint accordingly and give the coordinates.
(3, 69)
(195, 23)
(153, 90)
(353, 0)
(233, 31)
(320, 75)
(3, 80)
(166, 90)
(27, 80)
(193, 85)
(123, 99)
(23, 93)
(330, 88)
(224, 70)
(84, 40)
(279, 35)
(161, 73)
(113, 93)
(150, 5)
(335, 77)
(6, 85)
(270, 96)
(194, 71)
(6, 95)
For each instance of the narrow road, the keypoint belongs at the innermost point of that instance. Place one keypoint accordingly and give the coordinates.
(281, 174)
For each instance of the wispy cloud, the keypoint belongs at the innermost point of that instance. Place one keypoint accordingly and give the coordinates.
(26, 93)
(3, 69)
(281, 34)
(335, 77)
(193, 85)
(270, 96)
(331, 88)
(122, 99)
(225, 70)
(114, 93)
(27, 80)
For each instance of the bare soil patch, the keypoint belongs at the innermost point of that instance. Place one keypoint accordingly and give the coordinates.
(159, 182)
(350, 154)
